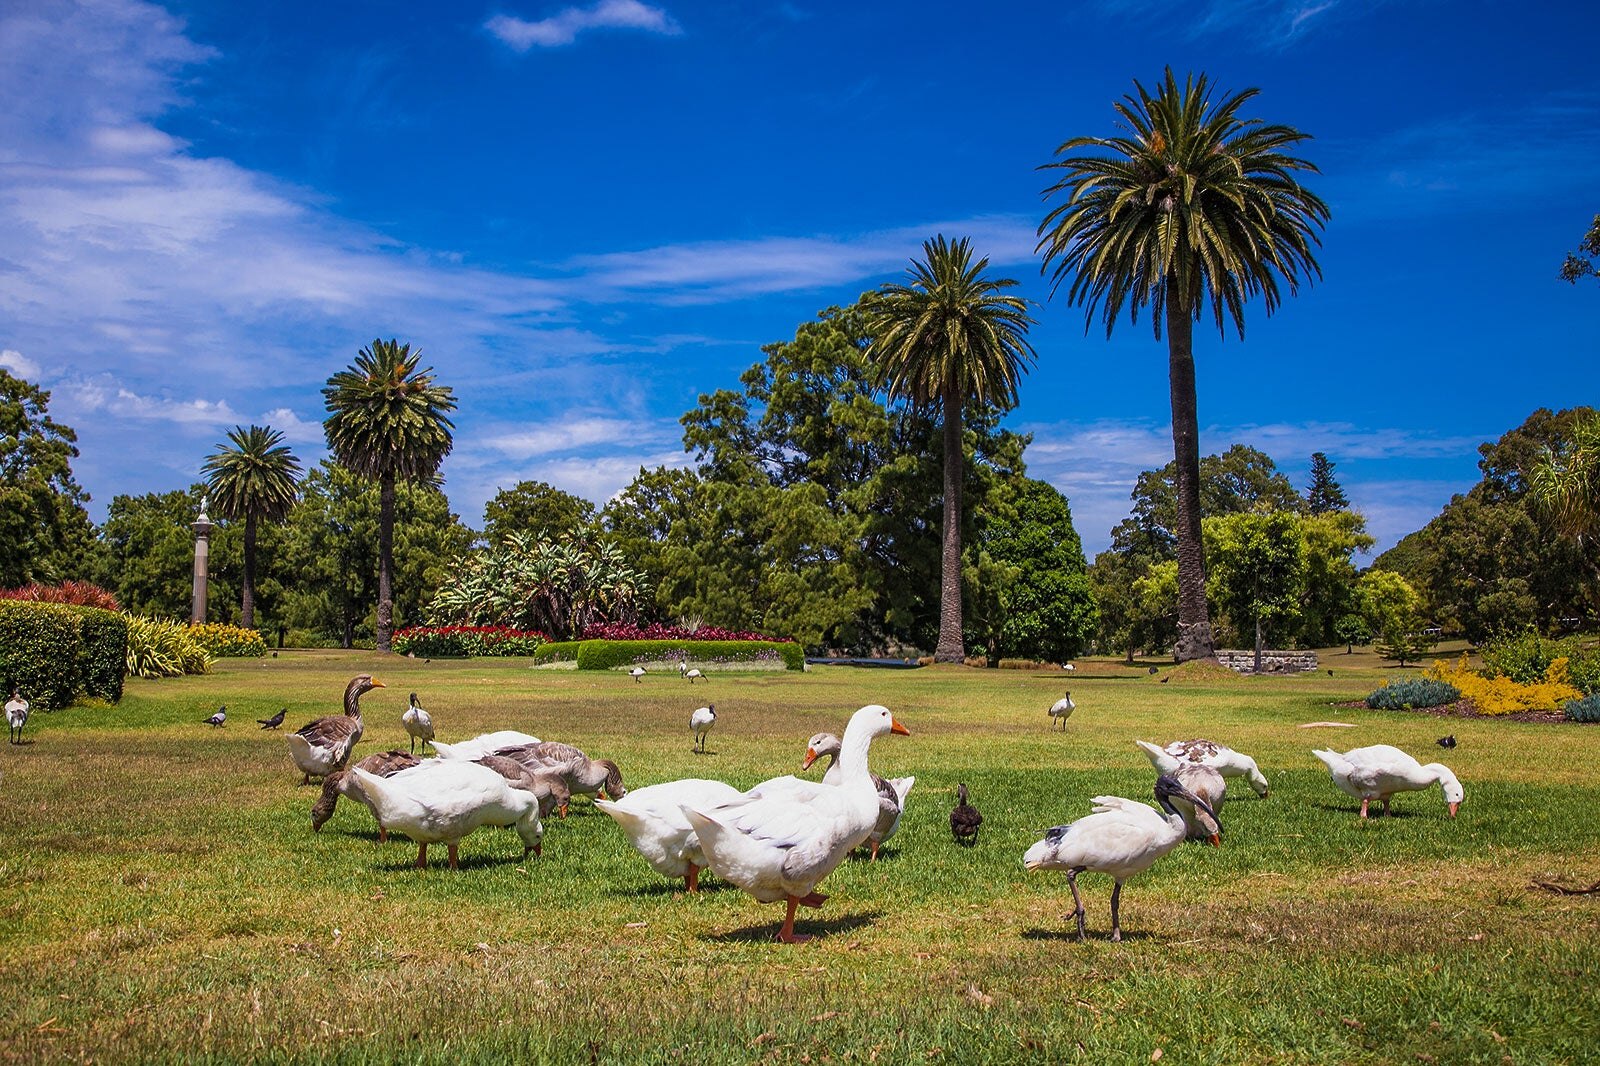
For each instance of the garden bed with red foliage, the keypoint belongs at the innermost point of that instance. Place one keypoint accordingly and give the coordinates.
(659, 631)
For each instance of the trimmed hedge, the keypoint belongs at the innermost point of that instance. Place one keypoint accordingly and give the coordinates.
(40, 649)
(557, 651)
(609, 654)
(103, 654)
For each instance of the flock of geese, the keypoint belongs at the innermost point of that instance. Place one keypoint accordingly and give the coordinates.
(779, 840)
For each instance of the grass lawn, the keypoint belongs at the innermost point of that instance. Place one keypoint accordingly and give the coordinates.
(163, 898)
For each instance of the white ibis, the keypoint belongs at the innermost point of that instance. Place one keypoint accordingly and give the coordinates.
(700, 723)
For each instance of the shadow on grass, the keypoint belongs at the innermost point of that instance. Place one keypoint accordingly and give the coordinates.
(1069, 934)
(1374, 814)
(441, 862)
(670, 888)
(828, 927)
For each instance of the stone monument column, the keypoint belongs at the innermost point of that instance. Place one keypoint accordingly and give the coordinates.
(202, 552)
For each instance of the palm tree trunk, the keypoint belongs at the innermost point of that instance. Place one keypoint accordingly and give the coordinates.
(247, 609)
(952, 648)
(1194, 621)
(385, 562)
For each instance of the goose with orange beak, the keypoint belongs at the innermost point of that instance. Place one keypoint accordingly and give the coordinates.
(776, 845)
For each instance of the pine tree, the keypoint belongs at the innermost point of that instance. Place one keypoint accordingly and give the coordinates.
(1324, 494)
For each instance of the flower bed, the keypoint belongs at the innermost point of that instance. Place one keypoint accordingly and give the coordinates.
(445, 642)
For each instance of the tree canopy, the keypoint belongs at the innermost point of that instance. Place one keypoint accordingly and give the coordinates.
(45, 532)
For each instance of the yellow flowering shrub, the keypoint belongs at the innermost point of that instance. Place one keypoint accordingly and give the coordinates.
(1501, 695)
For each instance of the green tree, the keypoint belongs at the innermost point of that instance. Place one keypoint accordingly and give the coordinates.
(1565, 481)
(1581, 264)
(534, 508)
(45, 532)
(1324, 494)
(1195, 206)
(1393, 610)
(1037, 601)
(254, 480)
(1352, 629)
(332, 535)
(1332, 541)
(1258, 570)
(1240, 480)
(387, 422)
(950, 337)
(1156, 598)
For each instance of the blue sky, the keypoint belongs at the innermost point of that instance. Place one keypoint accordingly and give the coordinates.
(588, 215)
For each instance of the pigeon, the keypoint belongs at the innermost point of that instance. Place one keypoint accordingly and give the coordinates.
(1155, 670)
(220, 717)
(275, 721)
(1447, 742)
(965, 819)
(637, 673)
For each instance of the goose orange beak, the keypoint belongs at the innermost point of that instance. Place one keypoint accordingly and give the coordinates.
(1216, 841)
(1453, 808)
(378, 684)
(811, 757)
(896, 727)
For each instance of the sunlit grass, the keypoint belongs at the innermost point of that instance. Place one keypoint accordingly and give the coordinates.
(162, 895)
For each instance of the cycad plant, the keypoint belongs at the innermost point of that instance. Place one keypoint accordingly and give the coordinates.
(387, 422)
(949, 337)
(254, 477)
(1192, 208)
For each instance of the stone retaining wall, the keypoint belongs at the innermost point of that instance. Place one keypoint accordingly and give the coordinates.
(1272, 662)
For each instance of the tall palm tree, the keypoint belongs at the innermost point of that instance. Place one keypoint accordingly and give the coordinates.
(1194, 207)
(1565, 483)
(386, 422)
(950, 336)
(256, 479)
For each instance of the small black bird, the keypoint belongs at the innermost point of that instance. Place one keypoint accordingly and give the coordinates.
(965, 819)
(220, 717)
(275, 721)
(1447, 742)
(1155, 670)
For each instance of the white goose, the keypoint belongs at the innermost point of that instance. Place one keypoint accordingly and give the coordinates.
(654, 821)
(418, 724)
(1379, 771)
(700, 722)
(442, 802)
(324, 744)
(1219, 757)
(482, 744)
(775, 847)
(1120, 838)
(1197, 779)
(892, 792)
(1061, 710)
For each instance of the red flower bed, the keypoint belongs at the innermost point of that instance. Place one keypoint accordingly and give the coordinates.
(659, 631)
(75, 593)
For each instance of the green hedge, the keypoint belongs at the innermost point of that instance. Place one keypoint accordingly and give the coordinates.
(43, 652)
(557, 651)
(103, 655)
(609, 654)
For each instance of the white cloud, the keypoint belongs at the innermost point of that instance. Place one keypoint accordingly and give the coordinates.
(562, 28)
(551, 438)
(20, 365)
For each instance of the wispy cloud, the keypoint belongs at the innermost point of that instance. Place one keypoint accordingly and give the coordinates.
(20, 365)
(563, 28)
(1269, 23)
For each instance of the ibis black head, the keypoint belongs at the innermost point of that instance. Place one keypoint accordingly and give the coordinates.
(1168, 786)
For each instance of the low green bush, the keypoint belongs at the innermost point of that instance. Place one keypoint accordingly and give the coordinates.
(160, 647)
(224, 641)
(557, 651)
(103, 652)
(1413, 692)
(1584, 710)
(1526, 657)
(41, 651)
(609, 654)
